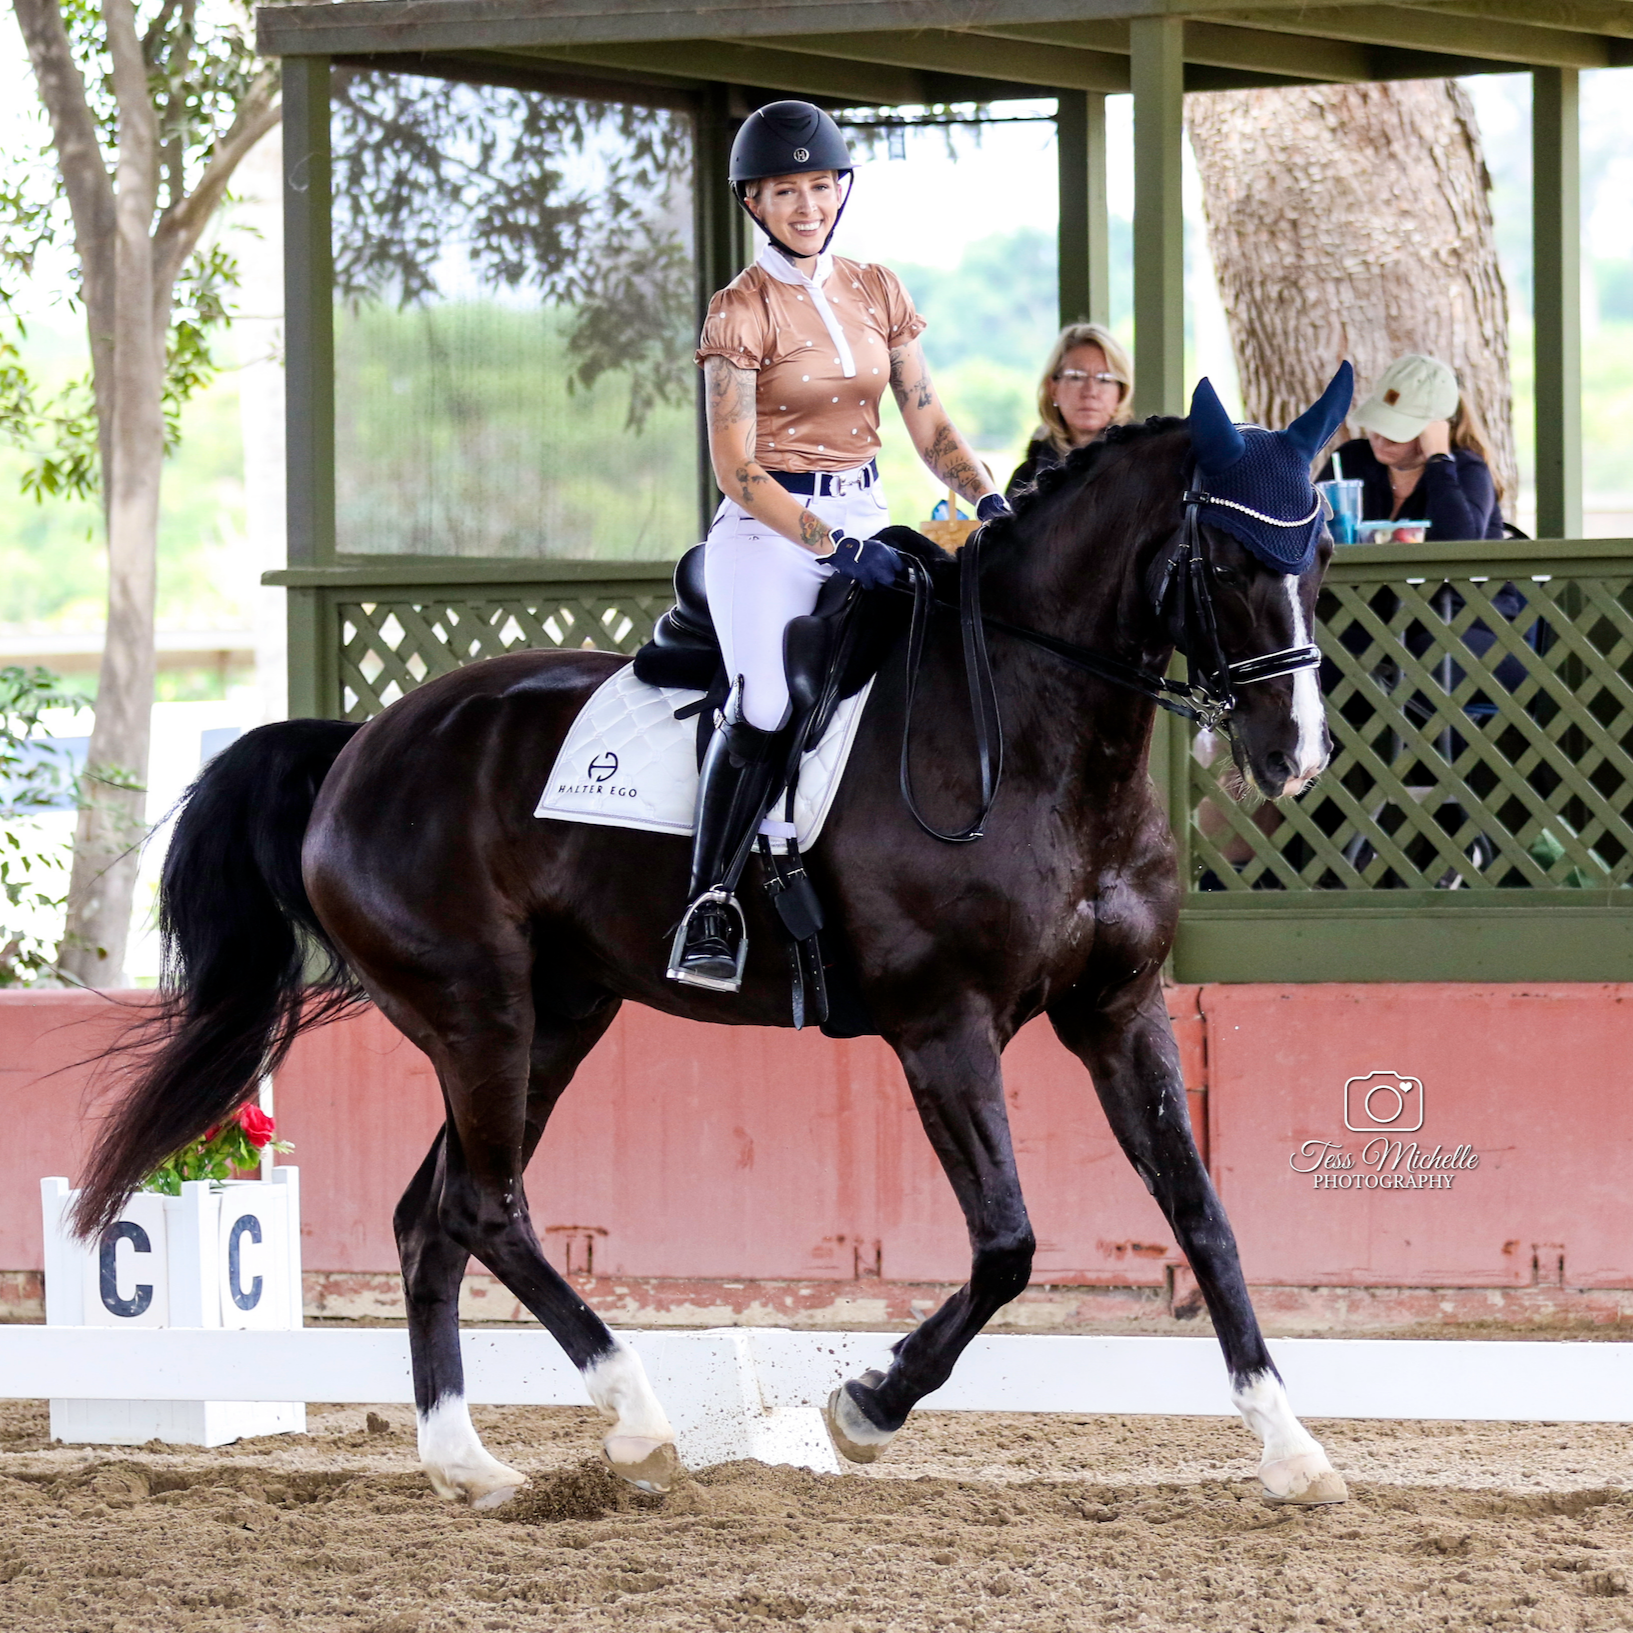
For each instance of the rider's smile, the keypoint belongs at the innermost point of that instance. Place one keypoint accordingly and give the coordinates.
(800, 210)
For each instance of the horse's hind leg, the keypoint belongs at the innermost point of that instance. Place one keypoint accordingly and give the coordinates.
(451, 1452)
(1129, 1048)
(467, 1199)
(957, 1085)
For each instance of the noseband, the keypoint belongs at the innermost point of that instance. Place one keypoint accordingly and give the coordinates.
(1184, 574)
(1181, 589)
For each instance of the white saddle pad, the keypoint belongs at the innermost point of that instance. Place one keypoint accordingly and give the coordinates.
(628, 763)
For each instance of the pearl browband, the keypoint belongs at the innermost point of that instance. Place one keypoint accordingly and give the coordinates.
(1197, 497)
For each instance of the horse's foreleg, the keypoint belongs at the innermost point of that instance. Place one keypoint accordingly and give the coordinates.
(958, 1088)
(1130, 1050)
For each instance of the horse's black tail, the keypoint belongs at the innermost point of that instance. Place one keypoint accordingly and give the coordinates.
(240, 945)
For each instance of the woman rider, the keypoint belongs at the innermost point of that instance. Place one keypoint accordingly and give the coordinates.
(796, 353)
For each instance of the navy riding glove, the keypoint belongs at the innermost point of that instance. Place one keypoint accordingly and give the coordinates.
(991, 506)
(870, 562)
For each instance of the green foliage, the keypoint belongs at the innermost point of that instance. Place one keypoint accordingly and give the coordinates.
(446, 192)
(35, 776)
(456, 434)
(199, 67)
(53, 569)
(233, 1148)
(999, 303)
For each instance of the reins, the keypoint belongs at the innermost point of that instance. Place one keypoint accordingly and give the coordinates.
(1209, 700)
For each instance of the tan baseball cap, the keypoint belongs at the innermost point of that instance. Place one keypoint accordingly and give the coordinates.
(1410, 393)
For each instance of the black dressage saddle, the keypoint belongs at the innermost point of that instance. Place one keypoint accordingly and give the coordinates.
(828, 655)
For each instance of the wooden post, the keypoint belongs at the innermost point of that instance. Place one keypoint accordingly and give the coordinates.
(1157, 73)
(1556, 225)
(309, 334)
(1085, 251)
(722, 237)
(309, 371)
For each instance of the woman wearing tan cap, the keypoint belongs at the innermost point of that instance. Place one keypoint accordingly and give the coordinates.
(1424, 456)
(1087, 384)
(797, 352)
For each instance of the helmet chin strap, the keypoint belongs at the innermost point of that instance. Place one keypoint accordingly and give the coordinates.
(777, 244)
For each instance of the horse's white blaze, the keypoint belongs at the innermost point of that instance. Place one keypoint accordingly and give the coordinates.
(456, 1461)
(618, 1387)
(1311, 751)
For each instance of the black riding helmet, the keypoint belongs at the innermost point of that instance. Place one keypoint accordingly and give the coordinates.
(787, 139)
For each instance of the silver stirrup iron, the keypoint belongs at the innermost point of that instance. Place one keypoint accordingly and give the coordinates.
(709, 898)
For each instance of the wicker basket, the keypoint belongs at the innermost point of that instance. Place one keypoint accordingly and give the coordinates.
(950, 535)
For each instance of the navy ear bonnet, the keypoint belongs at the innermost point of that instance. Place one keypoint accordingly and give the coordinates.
(1258, 482)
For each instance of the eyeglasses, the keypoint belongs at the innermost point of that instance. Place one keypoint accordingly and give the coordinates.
(1076, 377)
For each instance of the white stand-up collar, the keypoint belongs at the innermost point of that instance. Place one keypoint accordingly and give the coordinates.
(778, 266)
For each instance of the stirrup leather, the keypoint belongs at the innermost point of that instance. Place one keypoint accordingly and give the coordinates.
(724, 901)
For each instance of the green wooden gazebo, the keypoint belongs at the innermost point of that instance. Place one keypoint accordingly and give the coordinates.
(1470, 828)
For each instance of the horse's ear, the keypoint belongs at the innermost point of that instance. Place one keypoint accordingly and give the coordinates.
(1215, 440)
(1310, 431)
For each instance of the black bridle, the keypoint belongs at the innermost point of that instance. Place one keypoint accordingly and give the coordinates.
(1182, 594)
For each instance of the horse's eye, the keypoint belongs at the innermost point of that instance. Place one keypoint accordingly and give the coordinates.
(1229, 577)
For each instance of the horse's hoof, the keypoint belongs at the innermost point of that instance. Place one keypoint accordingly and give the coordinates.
(1307, 1480)
(648, 1465)
(856, 1437)
(488, 1487)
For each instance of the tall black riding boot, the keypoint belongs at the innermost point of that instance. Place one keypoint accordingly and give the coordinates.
(734, 788)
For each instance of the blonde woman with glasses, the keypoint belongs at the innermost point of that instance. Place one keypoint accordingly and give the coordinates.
(1087, 385)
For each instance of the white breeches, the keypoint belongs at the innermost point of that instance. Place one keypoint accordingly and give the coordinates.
(757, 581)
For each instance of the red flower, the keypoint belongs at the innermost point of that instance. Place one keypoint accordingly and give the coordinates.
(257, 1126)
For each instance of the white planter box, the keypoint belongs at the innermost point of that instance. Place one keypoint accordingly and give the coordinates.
(215, 1256)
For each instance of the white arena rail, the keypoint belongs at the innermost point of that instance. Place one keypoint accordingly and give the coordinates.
(737, 1392)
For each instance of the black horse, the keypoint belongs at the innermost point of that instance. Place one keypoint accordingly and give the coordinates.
(503, 945)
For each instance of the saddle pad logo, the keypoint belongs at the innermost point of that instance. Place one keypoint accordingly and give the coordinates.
(627, 762)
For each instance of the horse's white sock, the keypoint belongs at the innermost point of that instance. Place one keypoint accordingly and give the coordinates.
(1262, 1401)
(618, 1386)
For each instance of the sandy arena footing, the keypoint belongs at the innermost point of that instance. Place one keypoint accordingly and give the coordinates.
(970, 1521)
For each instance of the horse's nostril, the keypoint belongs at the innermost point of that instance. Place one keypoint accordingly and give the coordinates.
(1278, 765)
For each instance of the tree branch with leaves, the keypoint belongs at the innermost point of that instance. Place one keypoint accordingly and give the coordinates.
(151, 109)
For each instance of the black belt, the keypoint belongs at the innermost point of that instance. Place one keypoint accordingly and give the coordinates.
(820, 484)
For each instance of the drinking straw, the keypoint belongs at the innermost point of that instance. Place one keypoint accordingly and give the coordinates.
(1337, 467)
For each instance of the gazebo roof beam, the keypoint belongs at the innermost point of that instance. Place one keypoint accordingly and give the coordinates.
(789, 72)
(1534, 45)
(1253, 50)
(1610, 17)
(378, 26)
(524, 73)
(1026, 62)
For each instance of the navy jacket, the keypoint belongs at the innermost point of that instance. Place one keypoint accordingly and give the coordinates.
(1456, 497)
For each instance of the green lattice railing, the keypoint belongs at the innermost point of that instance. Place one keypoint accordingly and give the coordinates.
(364, 633)
(389, 645)
(1476, 822)
(1480, 698)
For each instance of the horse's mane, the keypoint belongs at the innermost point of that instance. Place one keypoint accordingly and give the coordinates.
(1075, 469)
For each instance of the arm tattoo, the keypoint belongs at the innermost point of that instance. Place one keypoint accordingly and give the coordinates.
(751, 480)
(813, 531)
(947, 456)
(731, 392)
(910, 377)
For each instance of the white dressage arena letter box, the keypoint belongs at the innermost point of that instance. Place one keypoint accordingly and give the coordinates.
(216, 1256)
